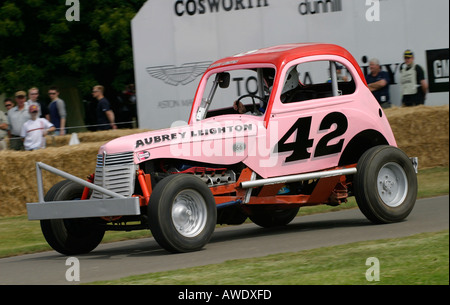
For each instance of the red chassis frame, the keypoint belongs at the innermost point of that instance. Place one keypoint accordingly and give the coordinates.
(330, 190)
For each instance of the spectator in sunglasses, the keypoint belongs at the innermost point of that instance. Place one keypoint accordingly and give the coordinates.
(8, 104)
(35, 129)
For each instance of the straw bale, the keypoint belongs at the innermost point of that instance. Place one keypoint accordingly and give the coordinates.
(420, 131)
(18, 172)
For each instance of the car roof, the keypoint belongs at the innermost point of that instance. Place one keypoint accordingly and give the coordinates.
(282, 54)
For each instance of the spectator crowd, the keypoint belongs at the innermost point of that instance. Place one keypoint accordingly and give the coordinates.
(27, 121)
(413, 82)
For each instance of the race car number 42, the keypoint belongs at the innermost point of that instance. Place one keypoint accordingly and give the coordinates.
(302, 142)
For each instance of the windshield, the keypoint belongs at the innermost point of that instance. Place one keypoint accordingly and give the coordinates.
(244, 91)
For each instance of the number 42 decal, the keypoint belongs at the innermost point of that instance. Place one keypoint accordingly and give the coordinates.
(302, 142)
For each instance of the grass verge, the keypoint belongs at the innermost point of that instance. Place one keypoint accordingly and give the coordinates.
(421, 259)
(20, 236)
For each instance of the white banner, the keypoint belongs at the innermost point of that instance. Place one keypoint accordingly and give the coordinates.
(174, 41)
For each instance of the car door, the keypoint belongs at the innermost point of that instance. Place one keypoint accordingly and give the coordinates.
(309, 122)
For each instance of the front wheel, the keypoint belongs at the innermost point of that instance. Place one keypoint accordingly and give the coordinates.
(385, 184)
(182, 213)
(70, 236)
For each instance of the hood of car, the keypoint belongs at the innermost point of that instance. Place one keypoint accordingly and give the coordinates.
(209, 137)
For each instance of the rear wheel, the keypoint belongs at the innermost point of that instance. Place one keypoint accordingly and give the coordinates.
(182, 213)
(385, 184)
(70, 236)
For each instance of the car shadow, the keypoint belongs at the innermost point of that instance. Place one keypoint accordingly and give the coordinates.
(254, 231)
(147, 246)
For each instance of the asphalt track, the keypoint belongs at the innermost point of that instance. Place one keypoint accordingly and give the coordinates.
(116, 260)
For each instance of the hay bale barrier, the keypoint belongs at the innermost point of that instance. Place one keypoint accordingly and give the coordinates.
(18, 168)
(421, 131)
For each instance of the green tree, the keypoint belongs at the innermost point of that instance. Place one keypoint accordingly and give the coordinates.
(38, 45)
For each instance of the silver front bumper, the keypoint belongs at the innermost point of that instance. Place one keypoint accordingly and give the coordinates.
(115, 205)
(83, 208)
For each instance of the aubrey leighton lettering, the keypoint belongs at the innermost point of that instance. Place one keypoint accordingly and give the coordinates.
(181, 135)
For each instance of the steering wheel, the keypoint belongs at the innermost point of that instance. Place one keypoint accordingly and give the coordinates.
(255, 109)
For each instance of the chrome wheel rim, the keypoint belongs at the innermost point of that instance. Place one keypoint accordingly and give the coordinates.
(189, 213)
(392, 184)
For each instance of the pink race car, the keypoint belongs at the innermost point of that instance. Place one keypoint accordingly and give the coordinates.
(270, 131)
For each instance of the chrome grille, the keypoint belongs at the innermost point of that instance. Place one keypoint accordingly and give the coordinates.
(115, 172)
(114, 159)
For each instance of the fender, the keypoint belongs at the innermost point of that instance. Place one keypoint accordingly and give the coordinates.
(361, 142)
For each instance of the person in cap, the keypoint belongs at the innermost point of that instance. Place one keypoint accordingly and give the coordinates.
(35, 129)
(17, 116)
(414, 84)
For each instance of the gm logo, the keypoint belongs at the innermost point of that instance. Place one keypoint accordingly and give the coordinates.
(438, 74)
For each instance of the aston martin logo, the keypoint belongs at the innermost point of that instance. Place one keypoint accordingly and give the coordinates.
(183, 74)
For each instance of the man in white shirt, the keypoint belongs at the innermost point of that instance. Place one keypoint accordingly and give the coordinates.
(17, 116)
(34, 130)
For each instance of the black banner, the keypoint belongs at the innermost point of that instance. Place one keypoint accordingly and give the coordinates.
(437, 61)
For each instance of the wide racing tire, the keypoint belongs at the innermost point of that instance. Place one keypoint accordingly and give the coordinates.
(182, 213)
(385, 185)
(70, 236)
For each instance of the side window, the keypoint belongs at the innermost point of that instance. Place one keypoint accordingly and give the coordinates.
(242, 82)
(316, 80)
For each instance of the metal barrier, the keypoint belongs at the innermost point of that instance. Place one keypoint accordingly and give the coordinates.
(117, 205)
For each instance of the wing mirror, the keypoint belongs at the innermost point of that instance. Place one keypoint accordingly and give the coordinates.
(224, 80)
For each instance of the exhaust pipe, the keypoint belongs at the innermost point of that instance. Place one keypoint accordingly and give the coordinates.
(300, 177)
